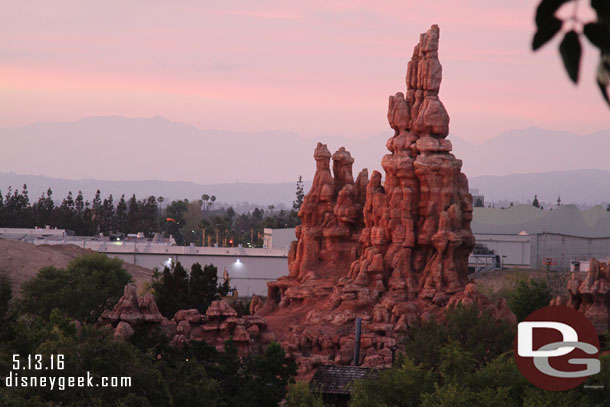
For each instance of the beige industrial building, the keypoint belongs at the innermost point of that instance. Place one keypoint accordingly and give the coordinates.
(522, 236)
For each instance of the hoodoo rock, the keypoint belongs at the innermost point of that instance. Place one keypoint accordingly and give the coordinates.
(590, 296)
(220, 323)
(328, 237)
(391, 250)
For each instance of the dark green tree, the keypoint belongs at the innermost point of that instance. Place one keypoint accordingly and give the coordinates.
(107, 220)
(98, 212)
(6, 293)
(134, 216)
(528, 297)
(203, 286)
(477, 331)
(87, 286)
(121, 215)
(299, 395)
(171, 289)
(175, 211)
(400, 386)
(300, 195)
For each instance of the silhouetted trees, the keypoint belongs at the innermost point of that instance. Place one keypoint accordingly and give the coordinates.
(79, 215)
(300, 195)
(177, 289)
(186, 221)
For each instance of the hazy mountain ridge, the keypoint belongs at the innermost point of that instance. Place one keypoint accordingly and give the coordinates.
(534, 150)
(116, 148)
(543, 162)
(156, 148)
(576, 186)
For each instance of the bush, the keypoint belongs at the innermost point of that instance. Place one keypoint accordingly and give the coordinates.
(478, 333)
(400, 386)
(83, 290)
(6, 293)
(299, 396)
(529, 296)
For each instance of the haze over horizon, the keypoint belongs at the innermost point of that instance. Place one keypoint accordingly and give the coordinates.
(114, 148)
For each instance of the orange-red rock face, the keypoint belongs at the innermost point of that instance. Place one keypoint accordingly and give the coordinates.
(591, 296)
(391, 251)
(219, 324)
(328, 237)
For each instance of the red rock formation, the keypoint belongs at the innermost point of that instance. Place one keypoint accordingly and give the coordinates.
(393, 252)
(590, 296)
(218, 325)
(328, 237)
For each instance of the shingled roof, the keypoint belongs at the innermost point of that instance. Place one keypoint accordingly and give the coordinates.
(335, 379)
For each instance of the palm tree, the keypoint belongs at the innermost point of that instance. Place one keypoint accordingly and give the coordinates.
(160, 200)
(205, 198)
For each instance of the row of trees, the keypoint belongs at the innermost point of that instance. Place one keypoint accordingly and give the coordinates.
(187, 221)
(79, 215)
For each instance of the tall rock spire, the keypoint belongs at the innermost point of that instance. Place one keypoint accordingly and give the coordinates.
(392, 251)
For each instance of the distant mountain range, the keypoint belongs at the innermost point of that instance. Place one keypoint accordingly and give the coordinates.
(263, 167)
(118, 148)
(534, 150)
(588, 187)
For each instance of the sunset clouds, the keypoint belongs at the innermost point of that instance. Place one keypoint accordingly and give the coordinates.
(316, 68)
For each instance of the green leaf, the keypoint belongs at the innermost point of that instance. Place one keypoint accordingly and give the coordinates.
(546, 10)
(571, 51)
(546, 31)
(599, 35)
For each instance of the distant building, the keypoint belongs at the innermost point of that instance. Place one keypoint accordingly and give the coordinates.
(478, 200)
(556, 237)
(522, 236)
(278, 238)
(36, 233)
(333, 383)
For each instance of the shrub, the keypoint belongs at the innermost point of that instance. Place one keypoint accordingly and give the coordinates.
(83, 290)
(529, 296)
(476, 332)
(299, 396)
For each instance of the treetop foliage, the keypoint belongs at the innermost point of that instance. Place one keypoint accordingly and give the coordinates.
(176, 289)
(82, 291)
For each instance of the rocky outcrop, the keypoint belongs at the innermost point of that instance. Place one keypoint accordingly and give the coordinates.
(394, 251)
(590, 295)
(219, 324)
(328, 237)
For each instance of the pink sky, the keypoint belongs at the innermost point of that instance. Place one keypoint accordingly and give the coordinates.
(317, 68)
